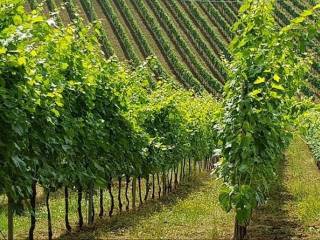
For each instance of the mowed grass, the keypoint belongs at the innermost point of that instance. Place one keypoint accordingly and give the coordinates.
(303, 182)
(193, 212)
(293, 210)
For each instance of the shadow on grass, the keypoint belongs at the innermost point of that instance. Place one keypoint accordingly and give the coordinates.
(125, 220)
(272, 221)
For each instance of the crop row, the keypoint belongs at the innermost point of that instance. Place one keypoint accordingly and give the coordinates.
(182, 73)
(225, 11)
(289, 13)
(281, 17)
(133, 27)
(298, 4)
(71, 9)
(80, 122)
(234, 6)
(211, 35)
(289, 9)
(217, 19)
(136, 33)
(120, 32)
(52, 6)
(90, 13)
(207, 79)
(210, 58)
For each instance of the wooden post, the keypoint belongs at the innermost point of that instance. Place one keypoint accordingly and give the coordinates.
(126, 192)
(134, 192)
(119, 194)
(175, 177)
(159, 185)
(111, 197)
(181, 172)
(49, 215)
(10, 218)
(153, 186)
(91, 207)
(240, 231)
(101, 212)
(147, 188)
(80, 207)
(66, 202)
(33, 210)
(140, 193)
(164, 184)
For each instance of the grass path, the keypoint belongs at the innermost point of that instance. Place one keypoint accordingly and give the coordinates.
(293, 211)
(191, 213)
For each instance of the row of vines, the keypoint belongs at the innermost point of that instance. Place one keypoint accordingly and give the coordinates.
(72, 119)
(218, 20)
(215, 64)
(284, 12)
(268, 68)
(182, 73)
(210, 82)
(212, 37)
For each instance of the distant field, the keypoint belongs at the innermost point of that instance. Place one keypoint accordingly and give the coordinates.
(189, 38)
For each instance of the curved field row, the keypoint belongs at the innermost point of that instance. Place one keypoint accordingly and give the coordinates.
(189, 38)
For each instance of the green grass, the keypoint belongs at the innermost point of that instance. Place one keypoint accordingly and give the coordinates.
(293, 210)
(193, 212)
(303, 183)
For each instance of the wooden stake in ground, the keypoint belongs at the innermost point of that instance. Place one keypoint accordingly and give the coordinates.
(66, 202)
(10, 218)
(49, 215)
(111, 196)
(33, 210)
(147, 188)
(101, 212)
(119, 194)
(134, 188)
(153, 186)
(91, 206)
(126, 193)
(159, 185)
(80, 217)
(140, 193)
(240, 231)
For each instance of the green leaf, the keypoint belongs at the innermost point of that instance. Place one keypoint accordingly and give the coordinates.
(243, 168)
(277, 86)
(245, 6)
(316, 7)
(22, 61)
(17, 20)
(55, 112)
(259, 80)
(306, 13)
(37, 19)
(274, 95)
(298, 20)
(20, 10)
(3, 50)
(243, 214)
(276, 78)
(255, 92)
(225, 200)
